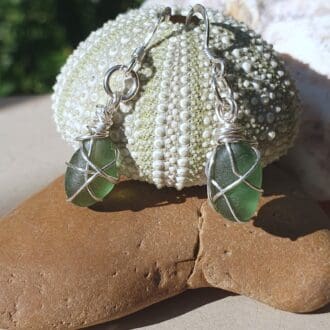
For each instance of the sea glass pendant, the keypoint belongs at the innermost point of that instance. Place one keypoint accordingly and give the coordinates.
(234, 180)
(92, 172)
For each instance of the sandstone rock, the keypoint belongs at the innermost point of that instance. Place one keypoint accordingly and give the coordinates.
(281, 258)
(68, 267)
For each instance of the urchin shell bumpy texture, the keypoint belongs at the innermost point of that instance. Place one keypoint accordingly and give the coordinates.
(166, 133)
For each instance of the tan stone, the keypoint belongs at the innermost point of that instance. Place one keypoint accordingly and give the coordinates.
(68, 267)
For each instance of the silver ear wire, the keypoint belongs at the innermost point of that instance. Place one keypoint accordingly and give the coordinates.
(199, 9)
(164, 16)
(226, 109)
(140, 52)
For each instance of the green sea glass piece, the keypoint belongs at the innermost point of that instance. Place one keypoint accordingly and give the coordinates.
(101, 153)
(240, 202)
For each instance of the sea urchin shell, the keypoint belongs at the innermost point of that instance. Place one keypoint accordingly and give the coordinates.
(166, 133)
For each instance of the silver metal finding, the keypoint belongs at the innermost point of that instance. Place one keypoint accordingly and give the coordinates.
(103, 119)
(131, 75)
(140, 52)
(199, 9)
(226, 108)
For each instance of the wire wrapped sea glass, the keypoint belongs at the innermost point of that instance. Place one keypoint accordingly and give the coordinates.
(92, 172)
(234, 180)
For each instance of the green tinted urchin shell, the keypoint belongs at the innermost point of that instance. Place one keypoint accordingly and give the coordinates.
(166, 133)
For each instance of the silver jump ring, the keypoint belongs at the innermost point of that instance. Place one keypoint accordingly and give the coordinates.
(132, 91)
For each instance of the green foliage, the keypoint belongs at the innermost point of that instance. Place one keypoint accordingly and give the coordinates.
(36, 36)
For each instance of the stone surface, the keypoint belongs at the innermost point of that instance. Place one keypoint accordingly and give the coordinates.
(281, 259)
(63, 266)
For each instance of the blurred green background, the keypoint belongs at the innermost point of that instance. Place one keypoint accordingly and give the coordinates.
(36, 36)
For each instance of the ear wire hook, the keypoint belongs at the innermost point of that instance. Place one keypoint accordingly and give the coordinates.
(210, 53)
(165, 15)
(199, 9)
(140, 52)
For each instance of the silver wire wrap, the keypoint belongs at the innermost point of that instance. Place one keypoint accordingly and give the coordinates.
(91, 171)
(100, 127)
(241, 178)
(227, 113)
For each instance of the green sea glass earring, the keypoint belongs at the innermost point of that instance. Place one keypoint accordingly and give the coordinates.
(234, 173)
(92, 171)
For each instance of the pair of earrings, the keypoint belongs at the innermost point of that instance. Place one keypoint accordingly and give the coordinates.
(233, 170)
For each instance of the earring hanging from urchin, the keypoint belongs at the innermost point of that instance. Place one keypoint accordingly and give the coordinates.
(233, 171)
(92, 171)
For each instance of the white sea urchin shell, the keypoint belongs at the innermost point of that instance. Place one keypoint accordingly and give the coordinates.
(165, 134)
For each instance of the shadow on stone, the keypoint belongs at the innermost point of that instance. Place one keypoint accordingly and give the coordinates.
(136, 196)
(167, 309)
(282, 217)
